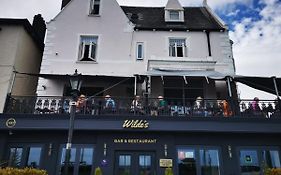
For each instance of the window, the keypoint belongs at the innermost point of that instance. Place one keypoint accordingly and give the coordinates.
(95, 7)
(81, 160)
(140, 51)
(26, 156)
(177, 48)
(15, 157)
(174, 15)
(88, 48)
(196, 160)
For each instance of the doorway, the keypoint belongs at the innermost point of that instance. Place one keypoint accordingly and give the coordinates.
(135, 163)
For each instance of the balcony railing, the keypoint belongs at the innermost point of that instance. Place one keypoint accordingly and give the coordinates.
(145, 106)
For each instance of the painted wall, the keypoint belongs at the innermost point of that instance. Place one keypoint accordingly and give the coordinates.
(19, 53)
(116, 50)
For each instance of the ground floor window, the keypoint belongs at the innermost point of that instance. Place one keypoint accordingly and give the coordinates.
(254, 161)
(25, 156)
(81, 160)
(198, 161)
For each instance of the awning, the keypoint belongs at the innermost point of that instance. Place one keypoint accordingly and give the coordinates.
(186, 73)
(261, 83)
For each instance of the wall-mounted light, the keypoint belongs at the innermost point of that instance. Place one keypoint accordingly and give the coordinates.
(44, 87)
(166, 150)
(229, 151)
(104, 149)
(50, 149)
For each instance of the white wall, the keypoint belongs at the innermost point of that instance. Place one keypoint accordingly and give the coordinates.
(116, 52)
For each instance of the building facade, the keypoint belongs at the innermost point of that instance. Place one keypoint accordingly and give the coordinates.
(21, 48)
(158, 91)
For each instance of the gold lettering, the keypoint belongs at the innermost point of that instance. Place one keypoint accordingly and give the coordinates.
(142, 124)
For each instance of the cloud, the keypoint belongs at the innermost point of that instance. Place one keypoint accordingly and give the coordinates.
(257, 48)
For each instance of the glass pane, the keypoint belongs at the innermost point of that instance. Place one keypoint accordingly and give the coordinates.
(271, 159)
(15, 157)
(85, 161)
(186, 162)
(140, 51)
(71, 162)
(249, 162)
(124, 165)
(145, 165)
(209, 162)
(93, 51)
(34, 157)
(174, 15)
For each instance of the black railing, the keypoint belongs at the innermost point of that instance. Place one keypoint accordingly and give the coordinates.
(145, 106)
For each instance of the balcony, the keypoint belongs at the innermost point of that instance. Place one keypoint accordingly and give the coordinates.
(147, 107)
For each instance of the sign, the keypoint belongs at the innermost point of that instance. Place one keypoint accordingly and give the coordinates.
(166, 163)
(248, 159)
(136, 124)
(11, 122)
(135, 141)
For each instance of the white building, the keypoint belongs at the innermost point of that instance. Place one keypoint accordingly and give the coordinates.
(101, 39)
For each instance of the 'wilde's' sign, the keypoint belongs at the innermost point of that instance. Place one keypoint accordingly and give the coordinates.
(136, 124)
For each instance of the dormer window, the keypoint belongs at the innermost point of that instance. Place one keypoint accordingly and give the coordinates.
(174, 12)
(95, 7)
(174, 15)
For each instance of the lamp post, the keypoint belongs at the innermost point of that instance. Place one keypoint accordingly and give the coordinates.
(75, 83)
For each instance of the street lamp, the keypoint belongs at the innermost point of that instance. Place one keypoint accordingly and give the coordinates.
(75, 83)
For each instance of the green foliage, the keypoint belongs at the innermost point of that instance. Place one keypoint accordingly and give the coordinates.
(25, 171)
(97, 171)
(169, 171)
(273, 171)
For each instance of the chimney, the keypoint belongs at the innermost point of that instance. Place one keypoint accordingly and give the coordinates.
(39, 26)
(64, 3)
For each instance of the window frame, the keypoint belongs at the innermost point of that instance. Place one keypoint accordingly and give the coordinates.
(197, 149)
(92, 7)
(26, 153)
(137, 51)
(78, 148)
(81, 49)
(183, 46)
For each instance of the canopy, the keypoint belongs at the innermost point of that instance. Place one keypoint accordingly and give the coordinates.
(261, 83)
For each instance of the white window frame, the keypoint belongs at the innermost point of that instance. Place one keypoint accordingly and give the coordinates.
(175, 46)
(92, 7)
(81, 50)
(137, 51)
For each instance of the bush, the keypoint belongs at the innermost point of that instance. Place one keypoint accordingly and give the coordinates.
(273, 171)
(97, 171)
(168, 171)
(25, 171)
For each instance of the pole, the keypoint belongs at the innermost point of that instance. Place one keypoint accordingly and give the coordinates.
(69, 137)
(277, 94)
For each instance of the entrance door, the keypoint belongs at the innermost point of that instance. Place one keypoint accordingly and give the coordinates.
(135, 163)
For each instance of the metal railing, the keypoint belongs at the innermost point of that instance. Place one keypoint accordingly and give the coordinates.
(144, 106)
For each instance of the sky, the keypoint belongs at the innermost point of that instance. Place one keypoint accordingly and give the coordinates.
(254, 26)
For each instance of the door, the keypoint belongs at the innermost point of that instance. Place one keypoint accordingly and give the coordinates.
(135, 163)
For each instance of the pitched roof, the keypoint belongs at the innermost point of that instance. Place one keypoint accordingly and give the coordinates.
(149, 18)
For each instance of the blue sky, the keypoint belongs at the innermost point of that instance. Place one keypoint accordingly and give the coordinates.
(255, 28)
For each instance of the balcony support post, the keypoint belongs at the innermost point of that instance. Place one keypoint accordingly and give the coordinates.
(277, 93)
(228, 80)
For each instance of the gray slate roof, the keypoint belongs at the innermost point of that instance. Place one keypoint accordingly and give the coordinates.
(149, 18)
